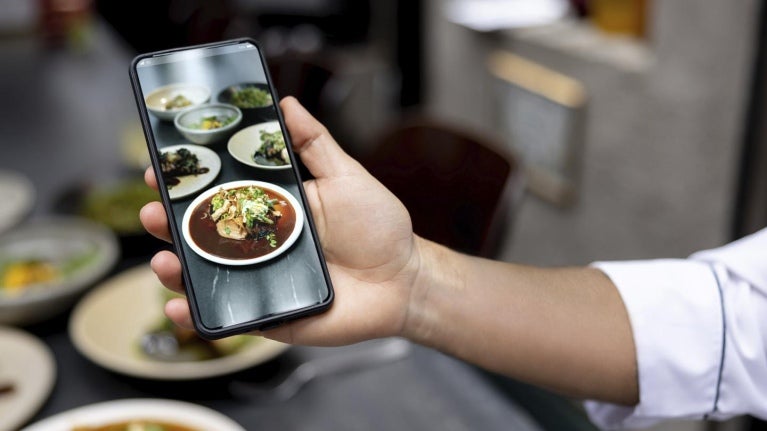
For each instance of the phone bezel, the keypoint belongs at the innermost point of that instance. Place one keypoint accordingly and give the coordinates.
(267, 321)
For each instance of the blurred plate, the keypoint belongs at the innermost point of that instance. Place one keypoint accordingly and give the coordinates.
(190, 184)
(80, 251)
(172, 412)
(27, 365)
(108, 324)
(244, 144)
(18, 196)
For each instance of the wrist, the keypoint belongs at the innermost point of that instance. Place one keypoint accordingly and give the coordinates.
(438, 273)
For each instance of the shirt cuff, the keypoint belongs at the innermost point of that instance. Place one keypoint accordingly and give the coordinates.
(676, 315)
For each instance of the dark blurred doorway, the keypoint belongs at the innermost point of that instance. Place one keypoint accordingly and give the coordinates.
(751, 204)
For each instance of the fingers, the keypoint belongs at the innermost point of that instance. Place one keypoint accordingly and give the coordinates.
(177, 310)
(312, 141)
(168, 270)
(150, 178)
(165, 264)
(155, 220)
(153, 215)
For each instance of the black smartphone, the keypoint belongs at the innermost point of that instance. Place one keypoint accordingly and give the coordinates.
(231, 186)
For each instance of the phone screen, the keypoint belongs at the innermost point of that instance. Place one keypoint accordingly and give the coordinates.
(243, 230)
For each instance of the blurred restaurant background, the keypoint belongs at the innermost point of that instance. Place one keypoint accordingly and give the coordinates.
(577, 131)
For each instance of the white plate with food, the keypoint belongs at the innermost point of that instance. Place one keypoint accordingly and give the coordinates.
(188, 169)
(261, 146)
(121, 326)
(27, 375)
(47, 263)
(168, 101)
(18, 195)
(138, 414)
(242, 222)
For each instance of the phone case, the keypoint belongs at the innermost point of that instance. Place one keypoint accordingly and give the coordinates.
(268, 321)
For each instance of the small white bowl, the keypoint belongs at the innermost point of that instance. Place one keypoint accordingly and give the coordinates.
(157, 99)
(186, 119)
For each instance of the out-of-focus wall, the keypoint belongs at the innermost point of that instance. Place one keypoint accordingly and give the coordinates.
(663, 132)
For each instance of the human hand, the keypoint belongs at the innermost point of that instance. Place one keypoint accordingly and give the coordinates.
(365, 232)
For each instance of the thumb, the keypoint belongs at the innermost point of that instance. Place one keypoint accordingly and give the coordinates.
(311, 140)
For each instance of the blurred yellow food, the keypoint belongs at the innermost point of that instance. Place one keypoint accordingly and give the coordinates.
(19, 275)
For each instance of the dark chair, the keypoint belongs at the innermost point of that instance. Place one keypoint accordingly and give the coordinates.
(458, 190)
(306, 78)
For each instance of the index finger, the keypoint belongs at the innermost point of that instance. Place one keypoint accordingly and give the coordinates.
(150, 178)
(318, 150)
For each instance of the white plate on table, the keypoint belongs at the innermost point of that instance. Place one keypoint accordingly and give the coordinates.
(244, 144)
(107, 326)
(190, 184)
(111, 412)
(26, 364)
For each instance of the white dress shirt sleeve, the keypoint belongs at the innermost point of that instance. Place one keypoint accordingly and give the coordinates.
(700, 331)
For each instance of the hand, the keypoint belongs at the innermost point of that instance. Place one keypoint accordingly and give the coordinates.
(366, 235)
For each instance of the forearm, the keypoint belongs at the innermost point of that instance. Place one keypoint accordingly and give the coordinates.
(565, 329)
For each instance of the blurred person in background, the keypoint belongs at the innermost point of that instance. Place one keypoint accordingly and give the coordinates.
(646, 340)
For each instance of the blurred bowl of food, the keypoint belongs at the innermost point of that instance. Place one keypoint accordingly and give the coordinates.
(138, 414)
(120, 325)
(207, 124)
(46, 264)
(115, 204)
(253, 98)
(168, 101)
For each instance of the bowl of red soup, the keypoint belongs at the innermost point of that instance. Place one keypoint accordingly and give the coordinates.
(242, 222)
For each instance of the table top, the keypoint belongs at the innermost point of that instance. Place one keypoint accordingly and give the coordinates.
(63, 112)
(425, 390)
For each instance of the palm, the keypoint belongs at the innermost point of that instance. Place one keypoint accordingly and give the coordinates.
(367, 239)
(362, 226)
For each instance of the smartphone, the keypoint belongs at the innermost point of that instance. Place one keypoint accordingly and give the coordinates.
(231, 186)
